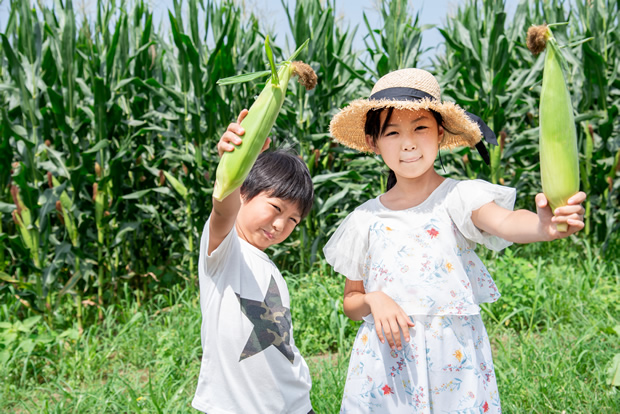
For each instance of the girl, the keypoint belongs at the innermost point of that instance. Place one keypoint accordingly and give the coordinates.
(408, 255)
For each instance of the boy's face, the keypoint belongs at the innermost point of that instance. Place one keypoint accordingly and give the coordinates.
(264, 221)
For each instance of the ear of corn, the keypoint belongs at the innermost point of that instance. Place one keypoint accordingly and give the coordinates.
(559, 163)
(27, 226)
(64, 208)
(235, 165)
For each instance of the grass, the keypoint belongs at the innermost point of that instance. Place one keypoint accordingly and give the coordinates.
(552, 332)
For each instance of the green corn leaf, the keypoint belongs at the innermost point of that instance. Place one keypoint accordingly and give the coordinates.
(176, 184)
(111, 52)
(243, 78)
(6, 207)
(15, 68)
(70, 225)
(7, 278)
(104, 143)
(274, 72)
(58, 108)
(70, 283)
(298, 51)
(136, 195)
(100, 114)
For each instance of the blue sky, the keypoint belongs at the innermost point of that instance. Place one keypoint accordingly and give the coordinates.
(271, 14)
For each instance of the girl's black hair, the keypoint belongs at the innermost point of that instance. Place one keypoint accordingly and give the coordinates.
(375, 129)
(280, 174)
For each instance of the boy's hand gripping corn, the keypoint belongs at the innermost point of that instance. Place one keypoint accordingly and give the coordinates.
(559, 163)
(235, 166)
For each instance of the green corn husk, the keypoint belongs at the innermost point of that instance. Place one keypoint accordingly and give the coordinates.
(64, 207)
(28, 230)
(559, 159)
(235, 165)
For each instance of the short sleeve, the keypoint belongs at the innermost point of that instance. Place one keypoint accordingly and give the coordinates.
(346, 249)
(470, 195)
(209, 263)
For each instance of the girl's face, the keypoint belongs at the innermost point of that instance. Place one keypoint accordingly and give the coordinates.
(409, 142)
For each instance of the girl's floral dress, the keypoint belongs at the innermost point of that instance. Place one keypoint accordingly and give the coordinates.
(423, 257)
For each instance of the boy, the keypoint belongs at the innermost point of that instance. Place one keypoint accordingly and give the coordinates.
(250, 363)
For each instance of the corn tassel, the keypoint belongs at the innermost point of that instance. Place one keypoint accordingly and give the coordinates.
(235, 165)
(559, 159)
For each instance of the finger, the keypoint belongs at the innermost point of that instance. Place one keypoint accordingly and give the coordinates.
(578, 198)
(223, 147)
(395, 334)
(266, 144)
(576, 224)
(236, 129)
(231, 137)
(226, 147)
(379, 333)
(567, 218)
(403, 323)
(388, 334)
(542, 208)
(541, 200)
(571, 213)
(569, 210)
(242, 115)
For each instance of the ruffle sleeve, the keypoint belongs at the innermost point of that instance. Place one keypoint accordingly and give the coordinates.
(346, 249)
(470, 195)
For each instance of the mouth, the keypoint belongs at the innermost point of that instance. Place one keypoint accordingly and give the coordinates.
(268, 235)
(411, 159)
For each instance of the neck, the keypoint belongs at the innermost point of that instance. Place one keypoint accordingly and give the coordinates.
(410, 192)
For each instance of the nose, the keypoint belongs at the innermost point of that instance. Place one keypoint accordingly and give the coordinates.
(278, 224)
(408, 144)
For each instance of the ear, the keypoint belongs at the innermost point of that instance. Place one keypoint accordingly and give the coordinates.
(372, 145)
(440, 134)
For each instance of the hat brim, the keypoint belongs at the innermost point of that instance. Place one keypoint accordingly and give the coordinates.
(347, 126)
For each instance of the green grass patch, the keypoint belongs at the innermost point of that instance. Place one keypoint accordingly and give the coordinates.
(553, 332)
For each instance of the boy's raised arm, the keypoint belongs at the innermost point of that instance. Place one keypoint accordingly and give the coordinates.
(224, 212)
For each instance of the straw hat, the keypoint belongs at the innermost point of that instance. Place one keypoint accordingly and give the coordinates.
(409, 89)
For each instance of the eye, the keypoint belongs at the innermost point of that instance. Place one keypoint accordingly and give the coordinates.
(278, 209)
(294, 220)
(421, 127)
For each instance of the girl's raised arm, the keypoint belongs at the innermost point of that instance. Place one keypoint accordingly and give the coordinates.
(524, 226)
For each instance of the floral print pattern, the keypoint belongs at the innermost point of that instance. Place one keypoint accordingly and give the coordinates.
(453, 372)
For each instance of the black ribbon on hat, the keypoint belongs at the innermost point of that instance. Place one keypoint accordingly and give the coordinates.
(412, 94)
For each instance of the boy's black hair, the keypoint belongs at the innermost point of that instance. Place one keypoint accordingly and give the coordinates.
(374, 128)
(280, 174)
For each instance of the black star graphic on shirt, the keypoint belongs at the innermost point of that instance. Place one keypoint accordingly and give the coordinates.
(272, 324)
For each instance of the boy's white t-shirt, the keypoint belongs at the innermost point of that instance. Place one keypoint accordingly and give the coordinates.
(250, 363)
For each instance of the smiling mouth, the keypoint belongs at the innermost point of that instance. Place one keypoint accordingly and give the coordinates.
(411, 159)
(268, 235)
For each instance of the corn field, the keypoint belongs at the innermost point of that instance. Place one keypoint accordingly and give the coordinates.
(109, 126)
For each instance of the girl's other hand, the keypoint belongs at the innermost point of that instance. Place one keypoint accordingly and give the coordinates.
(389, 319)
(571, 214)
(232, 137)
